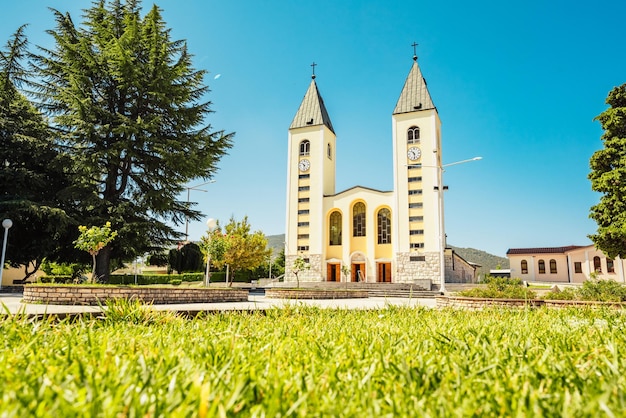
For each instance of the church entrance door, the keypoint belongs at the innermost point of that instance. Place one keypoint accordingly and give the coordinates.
(358, 272)
(333, 272)
(384, 273)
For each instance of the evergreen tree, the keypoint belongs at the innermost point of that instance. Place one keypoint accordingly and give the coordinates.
(130, 109)
(32, 178)
(608, 176)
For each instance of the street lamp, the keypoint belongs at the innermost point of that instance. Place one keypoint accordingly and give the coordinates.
(211, 224)
(439, 188)
(6, 224)
(196, 187)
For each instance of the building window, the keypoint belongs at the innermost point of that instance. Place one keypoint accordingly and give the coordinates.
(417, 258)
(305, 147)
(303, 224)
(416, 205)
(303, 200)
(329, 152)
(524, 267)
(304, 188)
(553, 266)
(334, 228)
(597, 267)
(416, 232)
(415, 179)
(578, 267)
(413, 135)
(416, 218)
(414, 192)
(358, 220)
(303, 212)
(304, 176)
(384, 226)
(417, 245)
(303, 248)
(610, 266)
(542, 267)
(303, 236)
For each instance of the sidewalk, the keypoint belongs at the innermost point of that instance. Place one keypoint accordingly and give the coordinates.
(13, 303)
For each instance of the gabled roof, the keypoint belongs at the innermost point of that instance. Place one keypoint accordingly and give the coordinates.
(414, 96)
(363, 188)
(312, 111)
(544, 250)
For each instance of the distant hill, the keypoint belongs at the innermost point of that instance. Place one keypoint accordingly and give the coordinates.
(484, 259)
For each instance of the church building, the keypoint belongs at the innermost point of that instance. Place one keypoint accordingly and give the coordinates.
(362, 234)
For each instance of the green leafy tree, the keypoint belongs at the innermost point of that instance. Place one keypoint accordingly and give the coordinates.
(130, 109)
(235, 246)
(93, 240)
(32, 177)
(189, 258)
(608, 176)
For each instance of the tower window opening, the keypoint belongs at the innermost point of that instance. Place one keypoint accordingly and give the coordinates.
(413, 135)
(305, 147)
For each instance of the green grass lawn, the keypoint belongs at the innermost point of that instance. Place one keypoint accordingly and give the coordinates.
(303, 361)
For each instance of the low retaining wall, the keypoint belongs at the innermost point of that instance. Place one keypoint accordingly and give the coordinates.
(94, 295)
(480, 303)
(303, 293)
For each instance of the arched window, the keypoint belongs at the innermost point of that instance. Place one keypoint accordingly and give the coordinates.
(413, 135)
(597, 266)
(524, 267)
(329, 152)
(542, 267)
(384, 226)
(334, 228)
(305, 147)
(358, 220)
(552, 266)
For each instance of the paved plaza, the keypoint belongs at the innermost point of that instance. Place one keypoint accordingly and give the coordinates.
(12, 302)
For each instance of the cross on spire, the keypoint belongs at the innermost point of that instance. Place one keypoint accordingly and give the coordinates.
(313, 65)
(414, 45)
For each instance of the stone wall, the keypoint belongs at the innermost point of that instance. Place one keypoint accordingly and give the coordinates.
(313, 274)
(411, 271)
(94, 295)
(309, 293)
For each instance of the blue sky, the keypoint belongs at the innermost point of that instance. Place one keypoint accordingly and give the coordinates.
(516, 82)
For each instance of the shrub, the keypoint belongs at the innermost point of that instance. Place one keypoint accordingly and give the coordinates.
(175, 282)
(500, 288)
(593, 290)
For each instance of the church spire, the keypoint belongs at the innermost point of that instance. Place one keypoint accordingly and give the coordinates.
(312, 111)
(415, 95)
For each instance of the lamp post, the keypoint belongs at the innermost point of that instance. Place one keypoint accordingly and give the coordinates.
(211, 224)
(439, 188)
(189, 189)
(6, 224)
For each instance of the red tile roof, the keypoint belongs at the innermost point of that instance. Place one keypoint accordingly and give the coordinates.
(543, 250)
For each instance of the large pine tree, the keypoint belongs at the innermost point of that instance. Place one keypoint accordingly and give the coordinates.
(130, 109)
(608, 176)
(32, 178)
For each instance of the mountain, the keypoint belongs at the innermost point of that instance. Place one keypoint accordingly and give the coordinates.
(484, 259)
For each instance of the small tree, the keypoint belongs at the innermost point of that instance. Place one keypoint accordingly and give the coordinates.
(345, 270)
(93, 240)
(299, 265)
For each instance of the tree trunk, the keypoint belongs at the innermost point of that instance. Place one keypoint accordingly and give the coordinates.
(103, 263)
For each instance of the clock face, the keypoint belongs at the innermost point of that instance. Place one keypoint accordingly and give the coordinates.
(414, 153)
(304, 165)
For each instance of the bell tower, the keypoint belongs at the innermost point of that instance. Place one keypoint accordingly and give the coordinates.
(417, 178)
(310, 176)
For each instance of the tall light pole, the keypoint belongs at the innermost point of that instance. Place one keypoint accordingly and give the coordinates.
(211, 224)
(189, 189)
(440, 188)
(6, 224)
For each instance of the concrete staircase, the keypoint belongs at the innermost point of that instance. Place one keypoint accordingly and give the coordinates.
(389, 290)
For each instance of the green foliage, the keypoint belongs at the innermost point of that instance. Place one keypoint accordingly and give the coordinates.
(608, 176)
(148, 279)
(593, 290)
(486, 261)
(298, 361)
(93, 240)
(234, 245)
(500, 288)
(130, 110)
(188, 258)
(175, 282)
(158, 259)
(298, 266)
